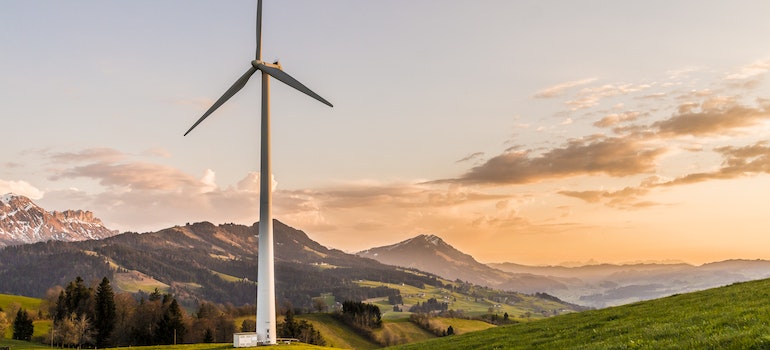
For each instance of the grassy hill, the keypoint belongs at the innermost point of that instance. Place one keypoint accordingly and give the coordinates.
(32, 305)
(523, 308)
(336, 333)
(731, 317)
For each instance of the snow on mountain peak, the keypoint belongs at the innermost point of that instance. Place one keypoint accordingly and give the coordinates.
(22, 221)
(432, 239)
(7, 198)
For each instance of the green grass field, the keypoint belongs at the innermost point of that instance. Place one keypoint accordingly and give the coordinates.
(529, 308)
(732, 317)
(337, 334)
(26, 302)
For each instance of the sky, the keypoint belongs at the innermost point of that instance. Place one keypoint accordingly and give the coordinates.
(536, 132)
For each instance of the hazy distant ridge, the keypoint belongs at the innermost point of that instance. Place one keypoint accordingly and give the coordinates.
(597, 285)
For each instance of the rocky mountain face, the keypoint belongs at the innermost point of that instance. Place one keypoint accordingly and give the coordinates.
(431, 254)
(24, 222)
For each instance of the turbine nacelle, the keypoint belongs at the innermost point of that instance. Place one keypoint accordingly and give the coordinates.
(259, 63)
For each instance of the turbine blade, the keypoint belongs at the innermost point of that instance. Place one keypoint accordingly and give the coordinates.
(259, 31)
(237, 86)
(288, 80)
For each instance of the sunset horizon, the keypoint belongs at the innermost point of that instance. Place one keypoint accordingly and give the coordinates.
(538, 133)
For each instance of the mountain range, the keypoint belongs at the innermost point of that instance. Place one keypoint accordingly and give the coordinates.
(24, 222)
(598, 285)
(218, 263)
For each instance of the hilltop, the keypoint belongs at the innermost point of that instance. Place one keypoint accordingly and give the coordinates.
(730, 317)
(432, 254)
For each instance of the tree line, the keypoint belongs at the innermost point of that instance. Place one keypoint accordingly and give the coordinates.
(86, 316)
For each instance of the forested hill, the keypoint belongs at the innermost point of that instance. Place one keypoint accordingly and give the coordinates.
(200, 261)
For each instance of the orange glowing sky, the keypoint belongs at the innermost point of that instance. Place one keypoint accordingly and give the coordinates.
(536, 132)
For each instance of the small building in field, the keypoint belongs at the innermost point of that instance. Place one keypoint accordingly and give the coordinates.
(245, 339)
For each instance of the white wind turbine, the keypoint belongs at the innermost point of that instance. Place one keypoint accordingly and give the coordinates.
(266, 271)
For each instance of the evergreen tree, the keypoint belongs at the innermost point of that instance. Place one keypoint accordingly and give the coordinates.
(61, 307)
(78, 299)
(105, 316)
(301, 330)
(207, 336)
(22, 326)
(171, 326)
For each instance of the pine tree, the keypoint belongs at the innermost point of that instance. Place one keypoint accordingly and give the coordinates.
(171, 326)
(207, 336)
(22, 326)
(105, 316)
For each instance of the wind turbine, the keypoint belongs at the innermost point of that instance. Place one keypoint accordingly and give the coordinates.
(266, 271)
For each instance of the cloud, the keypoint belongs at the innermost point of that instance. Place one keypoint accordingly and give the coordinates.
(91, 154)
(558, 90)
(20, 187)
(400, 195)
(12, 165)
(471, 156)
(750, 75)
(250, 183)
(590, 97)
(614, 119)
(135, 176)
(209, 181)
(715, 117)
(737, 162)
(586, 156)
(626, 198)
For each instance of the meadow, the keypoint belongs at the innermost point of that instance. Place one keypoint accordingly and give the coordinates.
(731, 317)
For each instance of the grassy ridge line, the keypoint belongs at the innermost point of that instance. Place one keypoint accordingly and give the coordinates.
(731, 317)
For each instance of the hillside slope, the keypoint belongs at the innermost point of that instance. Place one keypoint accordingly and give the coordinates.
(731, 317)
(431, 254)
(198, 261)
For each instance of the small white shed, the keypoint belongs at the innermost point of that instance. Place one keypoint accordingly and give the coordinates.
(245, 339)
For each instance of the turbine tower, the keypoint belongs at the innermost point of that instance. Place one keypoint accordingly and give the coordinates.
(266, 271)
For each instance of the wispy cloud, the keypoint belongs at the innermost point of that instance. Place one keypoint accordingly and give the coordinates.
(470, 157)
(750, 75)
(91, 154)
(590, 97)
(560, 89)
(626, 198)
(737, 162)
(136, 175)
(614, 119)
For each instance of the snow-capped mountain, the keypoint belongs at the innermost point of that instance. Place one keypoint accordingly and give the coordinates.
(23, 222)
